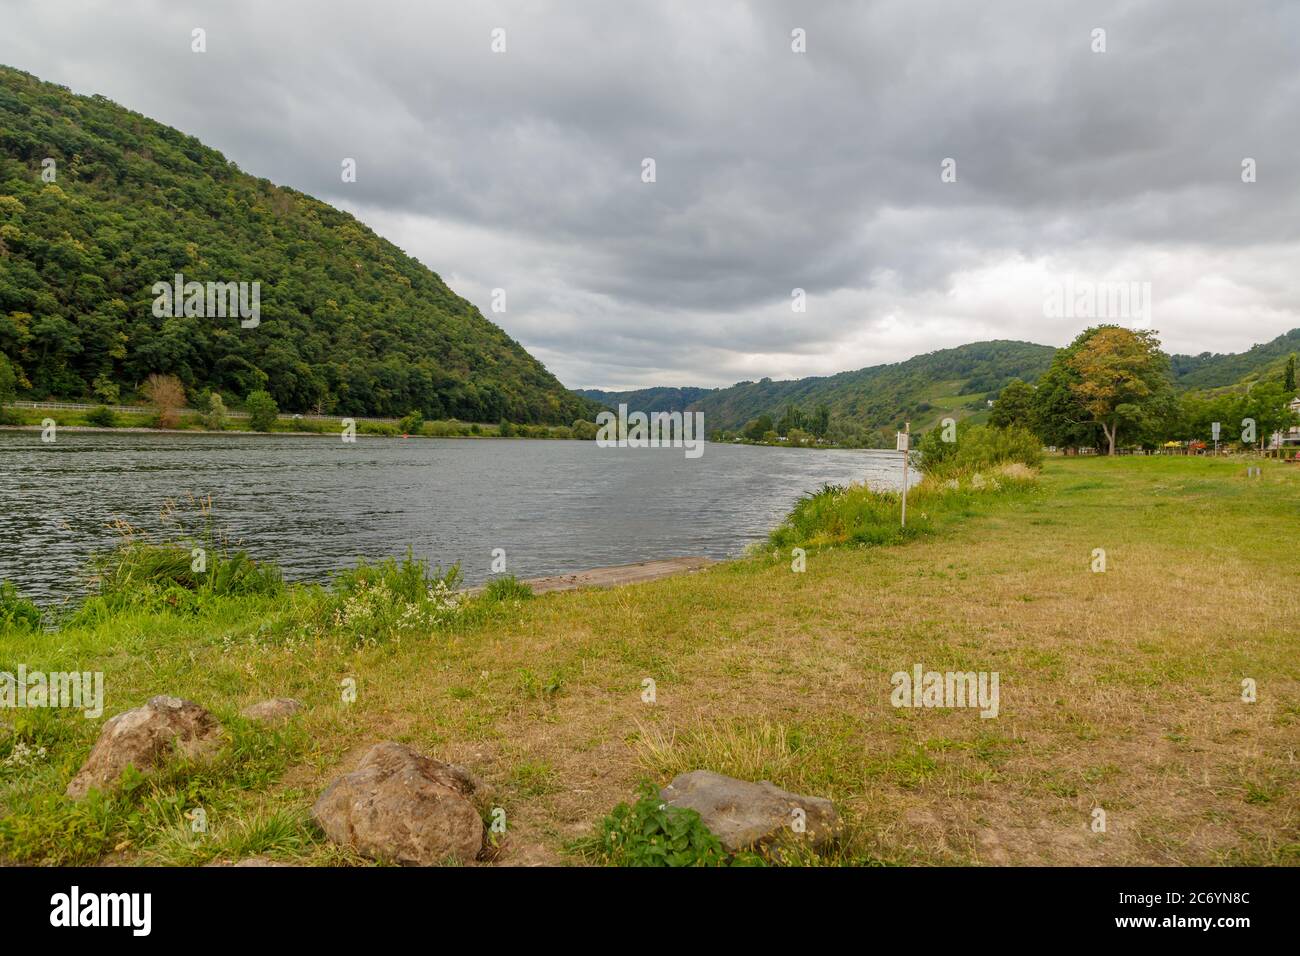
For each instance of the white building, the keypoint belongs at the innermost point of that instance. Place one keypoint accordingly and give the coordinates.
(1290, 437)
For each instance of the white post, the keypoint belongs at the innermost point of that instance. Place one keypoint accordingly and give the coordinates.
(905, 443)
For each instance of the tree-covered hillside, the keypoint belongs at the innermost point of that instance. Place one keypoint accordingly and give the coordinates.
(658, 399)
(1218, 370)
(348, 322)
(868, 404)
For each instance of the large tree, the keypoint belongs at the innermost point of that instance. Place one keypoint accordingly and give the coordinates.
(1123, 379)
(1013, 405)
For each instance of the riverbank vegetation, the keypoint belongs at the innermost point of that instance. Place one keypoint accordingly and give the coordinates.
(192, 421)
(1120, 690)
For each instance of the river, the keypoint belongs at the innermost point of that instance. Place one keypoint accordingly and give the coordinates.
(315, 504)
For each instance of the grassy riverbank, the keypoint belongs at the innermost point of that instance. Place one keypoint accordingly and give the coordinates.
(1120, 690)
(110, 421)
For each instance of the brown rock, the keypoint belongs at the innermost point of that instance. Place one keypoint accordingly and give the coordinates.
(745, 815)
(399, 806)
(144, 738)
(277, 710)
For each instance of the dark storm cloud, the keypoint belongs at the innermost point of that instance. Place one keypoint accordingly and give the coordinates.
(775, 170)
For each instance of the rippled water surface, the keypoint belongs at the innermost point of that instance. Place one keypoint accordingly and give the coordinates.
(315, 504)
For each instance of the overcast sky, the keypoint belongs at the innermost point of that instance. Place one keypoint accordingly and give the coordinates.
(775, 169)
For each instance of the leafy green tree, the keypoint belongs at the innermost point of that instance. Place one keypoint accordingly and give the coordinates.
(262, 410)
(759, 427)
(105, 389)
(411, 422)
(821, 420)
(8, 383)
(214, 419)
(1014, 405)
(1055, 412)
(1288, 379)
(1123, 379)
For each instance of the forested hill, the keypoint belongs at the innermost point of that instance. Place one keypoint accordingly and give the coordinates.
(658, 399)
(348, 322)
(881, 397)
(1215, 370)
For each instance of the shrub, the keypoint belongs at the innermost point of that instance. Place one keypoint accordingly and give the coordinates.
(978, 447)
(505, 429)
(101, 417)
(166, 394)
(262, 410)
(650, 833)
(411, 423)
(16, 612)
(373, 602)
(214, 419)
(175, 573)
(507, 588)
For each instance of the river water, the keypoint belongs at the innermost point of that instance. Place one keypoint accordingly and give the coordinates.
(316, 504)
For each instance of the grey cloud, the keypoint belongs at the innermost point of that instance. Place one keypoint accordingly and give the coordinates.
(775, 170)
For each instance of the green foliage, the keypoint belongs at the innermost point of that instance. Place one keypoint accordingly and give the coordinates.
(262, 411)
(8, 381)
(977, 447)
(507, 588)
(16, 612)
(101, 417)
(179, 576)
(759, 428)
(373, 603)
(214, 419)
(649, 833)
(411, 423)
(858, 515)
(349, 323)
(1013, 405)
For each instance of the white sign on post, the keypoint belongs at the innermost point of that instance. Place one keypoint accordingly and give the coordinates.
(904, 441)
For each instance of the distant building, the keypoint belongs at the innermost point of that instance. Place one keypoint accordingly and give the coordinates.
(1291, 437)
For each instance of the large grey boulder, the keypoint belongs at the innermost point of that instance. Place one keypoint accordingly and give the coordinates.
(745, 815)
(400, 806)
(145, 738)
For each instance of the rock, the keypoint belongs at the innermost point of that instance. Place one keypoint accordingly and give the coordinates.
(745, 815)
(399, 806)
(144, 738)
(277, 710)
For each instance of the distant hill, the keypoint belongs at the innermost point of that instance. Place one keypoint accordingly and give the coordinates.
(879, 399)
(662, 399)
(348, 321)
(1217, 370)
